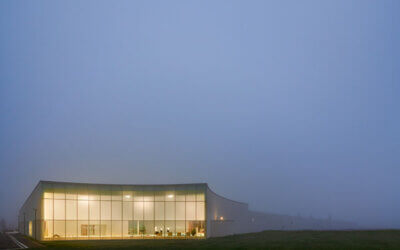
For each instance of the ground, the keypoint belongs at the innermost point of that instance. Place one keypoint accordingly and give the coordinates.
(383, 239)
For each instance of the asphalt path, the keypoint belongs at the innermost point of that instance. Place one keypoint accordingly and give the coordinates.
(14, 240)
(6, 242)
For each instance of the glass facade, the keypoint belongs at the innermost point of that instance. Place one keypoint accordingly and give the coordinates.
(88, 211)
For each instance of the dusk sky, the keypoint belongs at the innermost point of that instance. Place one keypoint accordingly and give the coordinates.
(290, 106)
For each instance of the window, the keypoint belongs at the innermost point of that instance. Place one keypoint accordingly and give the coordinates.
(59, 229)
(169, 210)
(116, 210)
(138, 210)
(190, 210)
(127, 210)
(200, 211)
(71, 210)
(71, 227)
(48, 209)
(59, 209)
(83, 212)
(94, 210)
(30, 228)
(159, 210)
(149, 210)
(180, 210)
(105, 210)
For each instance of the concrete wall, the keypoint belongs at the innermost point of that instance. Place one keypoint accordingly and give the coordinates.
(227, 217)
(31, 211)
(224, 216)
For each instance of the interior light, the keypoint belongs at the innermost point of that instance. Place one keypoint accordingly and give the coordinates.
(127, 196)
(170, 196)
(221, 218)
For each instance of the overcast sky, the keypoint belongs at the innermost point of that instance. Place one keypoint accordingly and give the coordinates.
(290, 106)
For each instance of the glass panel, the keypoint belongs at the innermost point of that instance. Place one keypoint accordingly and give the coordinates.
(170, 196)
(159, 228)
(48, 195)
(159, 210)
(191, 196)
(127, 210)
(83, 211)
(116, 210)
(71, 210)
(94, 229)
(117, 195)
(201, 229)
(190, 210)
(180, 228)
(200, 210)
(148, 228)
(127, 196)
(149, 210)
(83, 229)
(200, 196)
(127, 228)
(94, 195)
(48, 209)
(59, 195)
(138, 196)
(170, 228)
(191, 229)
(70, 193)
(47, 229)
(59, 210)
(148, 195)
(138, 210)
(195, 228)
(71, 228)
(105, 210)
(83, 194)
(180, 210)
(30, 229)
(59, 229)
(180, 195)
(94, 210)
(170, 210)
(116, 228)
(159, 195)
(105, 228)
(105, 195)
(138, 228)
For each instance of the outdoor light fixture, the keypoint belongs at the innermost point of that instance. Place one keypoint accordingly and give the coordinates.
(221, 218)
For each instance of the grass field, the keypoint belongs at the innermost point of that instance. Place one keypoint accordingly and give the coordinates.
(383, 239)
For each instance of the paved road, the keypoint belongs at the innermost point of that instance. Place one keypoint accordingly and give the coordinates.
(16, 241)
(6, 242)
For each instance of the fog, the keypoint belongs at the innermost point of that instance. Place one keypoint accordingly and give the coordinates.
(290, 106)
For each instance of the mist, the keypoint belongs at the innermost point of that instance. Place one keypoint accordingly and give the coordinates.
(290, 106)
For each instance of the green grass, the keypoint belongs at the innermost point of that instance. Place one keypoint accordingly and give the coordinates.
(383, 239)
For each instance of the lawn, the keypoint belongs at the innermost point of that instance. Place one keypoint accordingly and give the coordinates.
(383, 239)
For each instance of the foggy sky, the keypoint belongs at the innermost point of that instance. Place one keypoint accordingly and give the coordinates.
(290, 106)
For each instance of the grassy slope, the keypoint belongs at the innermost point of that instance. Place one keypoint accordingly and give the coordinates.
(385, 239)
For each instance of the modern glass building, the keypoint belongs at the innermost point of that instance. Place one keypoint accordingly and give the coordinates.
(83, 211)
(62, 211)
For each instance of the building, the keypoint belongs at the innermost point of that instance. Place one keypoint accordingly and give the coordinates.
(63, 211)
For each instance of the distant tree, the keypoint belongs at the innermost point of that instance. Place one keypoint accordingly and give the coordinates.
(3, 225)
